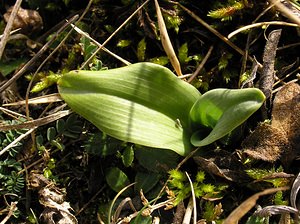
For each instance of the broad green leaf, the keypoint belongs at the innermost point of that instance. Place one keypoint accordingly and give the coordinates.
(116, 179)
(145, 181)
(140, 103)
(223, 110)
(9, 66)
(156, 160)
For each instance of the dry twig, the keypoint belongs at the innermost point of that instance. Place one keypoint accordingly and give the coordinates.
(9, 27)
(260, 24)
(12, 208)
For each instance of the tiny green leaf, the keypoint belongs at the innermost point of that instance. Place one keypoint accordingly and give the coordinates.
(141, 50)
(116, 179)
(183, 53)
(123, 43)
(162, 60)
(60, 126)
(223, 110)
(6, 67)
(51, 133)
(128, 156)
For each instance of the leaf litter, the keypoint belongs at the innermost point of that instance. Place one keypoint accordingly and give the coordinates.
(281, 138)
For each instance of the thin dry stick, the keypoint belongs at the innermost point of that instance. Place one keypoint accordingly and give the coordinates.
(260, 24)
(114, 33)
(248, 204)
(11, 32)
(11, 113)
(200, 67)
(36, 122)
(114, 200)
(50, 98)
(244, 61)
(121, 206)
(214, 31)
(193, 198)
(285, 11)
(100, 45)
(264, 12)
(42, 64)
(13, 143)
(285, 77)
(87, 8)
(188, 212)
(12, 208)
(89, 202)
(9, 26)
(36, 56)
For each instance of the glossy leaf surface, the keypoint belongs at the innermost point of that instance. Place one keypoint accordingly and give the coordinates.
(222, 110)
(142, 103)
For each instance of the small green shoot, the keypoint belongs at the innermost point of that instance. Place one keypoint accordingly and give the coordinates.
(180, 189)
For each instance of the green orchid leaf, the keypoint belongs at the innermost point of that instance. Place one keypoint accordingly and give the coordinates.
(143, 103)
(145, 181)
(159, 160)
(222, 110)
(116, 179)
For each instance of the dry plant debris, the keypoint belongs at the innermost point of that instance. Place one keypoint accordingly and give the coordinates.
(281, 138)
(27, 20)
(56, 209)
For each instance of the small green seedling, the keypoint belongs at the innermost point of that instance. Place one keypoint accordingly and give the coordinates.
(147, 104)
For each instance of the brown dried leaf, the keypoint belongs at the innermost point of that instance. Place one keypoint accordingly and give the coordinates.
(286, 110)
(248, 204)
(166, 42)
(26, 19)
(281, 139)
(210, 167)
(265, 143)
(56, 209)
(275, 210)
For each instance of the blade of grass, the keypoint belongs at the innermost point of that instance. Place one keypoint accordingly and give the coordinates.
(166, 42)
(114, 33)
(193, 198)
(280, 23)
(115, 199)
(78, 30)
